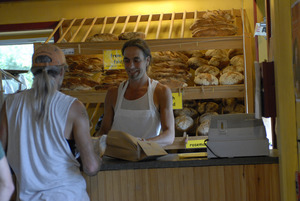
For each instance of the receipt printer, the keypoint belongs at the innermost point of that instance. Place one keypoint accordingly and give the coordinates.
(236, 135)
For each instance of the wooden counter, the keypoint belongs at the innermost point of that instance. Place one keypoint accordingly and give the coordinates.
(232, 179)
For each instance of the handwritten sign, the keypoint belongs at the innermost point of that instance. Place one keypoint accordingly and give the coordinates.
(177, 100)
(192, 144)
(112, 60)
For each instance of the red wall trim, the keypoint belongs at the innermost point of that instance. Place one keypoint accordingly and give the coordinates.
(30, 26)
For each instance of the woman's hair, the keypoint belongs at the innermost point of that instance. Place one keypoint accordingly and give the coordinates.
(44, 86)
(141, 44)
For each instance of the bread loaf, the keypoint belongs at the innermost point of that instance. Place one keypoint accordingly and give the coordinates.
(237, 60)
(215, 52)
(102, 37)
(207, 107)
(206, 79)
(131, 35)
(173, 83)
(230, 78)
(195, 62)
(227, 69)
(219, 61)
(203, 128)
(186, 111)
(206, 116)
(208, 69)
(233, 52)
(184, 123)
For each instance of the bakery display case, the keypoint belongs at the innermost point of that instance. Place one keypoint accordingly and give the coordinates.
(173, 34)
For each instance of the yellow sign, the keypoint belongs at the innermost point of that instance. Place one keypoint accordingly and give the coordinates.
(177, 100)
(192, 144)
(112, 60)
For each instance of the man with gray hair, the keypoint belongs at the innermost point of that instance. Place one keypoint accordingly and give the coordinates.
(35, 126)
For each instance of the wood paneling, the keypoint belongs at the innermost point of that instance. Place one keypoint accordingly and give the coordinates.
(212, 183)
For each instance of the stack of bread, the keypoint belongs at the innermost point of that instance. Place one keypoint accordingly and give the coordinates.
(82, 72)
(214, 23)
(217, 66)
(195, 117)
(111, 78)
(170, 68)
(113, 37)
(233, 105)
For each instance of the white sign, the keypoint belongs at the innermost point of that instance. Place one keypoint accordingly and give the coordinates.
(260, 29)
(69, 51)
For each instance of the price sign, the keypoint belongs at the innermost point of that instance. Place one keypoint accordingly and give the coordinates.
(69, 51)
(112, 60)
(260, 29)
(177, 100)
(192, 144)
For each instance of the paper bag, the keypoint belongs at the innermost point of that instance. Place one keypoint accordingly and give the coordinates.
(124, 146)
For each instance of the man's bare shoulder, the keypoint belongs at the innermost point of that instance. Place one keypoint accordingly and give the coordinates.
(77, 107)
(112, 94)
(161, 88)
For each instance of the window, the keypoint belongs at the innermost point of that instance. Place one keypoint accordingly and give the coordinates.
(15, 59)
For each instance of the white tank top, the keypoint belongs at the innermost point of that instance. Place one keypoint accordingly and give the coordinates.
(39, 154)
(143, 123)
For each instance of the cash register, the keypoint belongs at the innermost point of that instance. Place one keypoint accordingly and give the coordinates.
(236, 135)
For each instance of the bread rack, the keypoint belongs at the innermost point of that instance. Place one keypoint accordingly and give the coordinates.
(164, 31)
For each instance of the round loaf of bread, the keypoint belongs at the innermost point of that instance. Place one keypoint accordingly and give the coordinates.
(208, 107)
(206, 79)
(102, 37)
(230, 78)
(184, 123)
(237, 60)
(131, 35)
(239, 69)
(203, 129)
(215, 52)
(233, 52)
(195, 62)
(206, 116)
(186, 111)
(208, 69)
(219, 61)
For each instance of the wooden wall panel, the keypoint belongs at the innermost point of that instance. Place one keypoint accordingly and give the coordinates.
(213, 183)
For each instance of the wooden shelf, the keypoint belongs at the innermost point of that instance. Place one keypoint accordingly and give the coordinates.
(188, 93)
(221, 42)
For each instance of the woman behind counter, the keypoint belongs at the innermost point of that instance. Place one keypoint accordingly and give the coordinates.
(140, 106)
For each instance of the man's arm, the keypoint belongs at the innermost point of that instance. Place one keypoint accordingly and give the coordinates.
(3, 127)
(164, 99)
(6, 183)
(80, 128)
(107, 121)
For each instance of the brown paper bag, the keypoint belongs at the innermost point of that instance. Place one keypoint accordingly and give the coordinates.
(124, 146)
